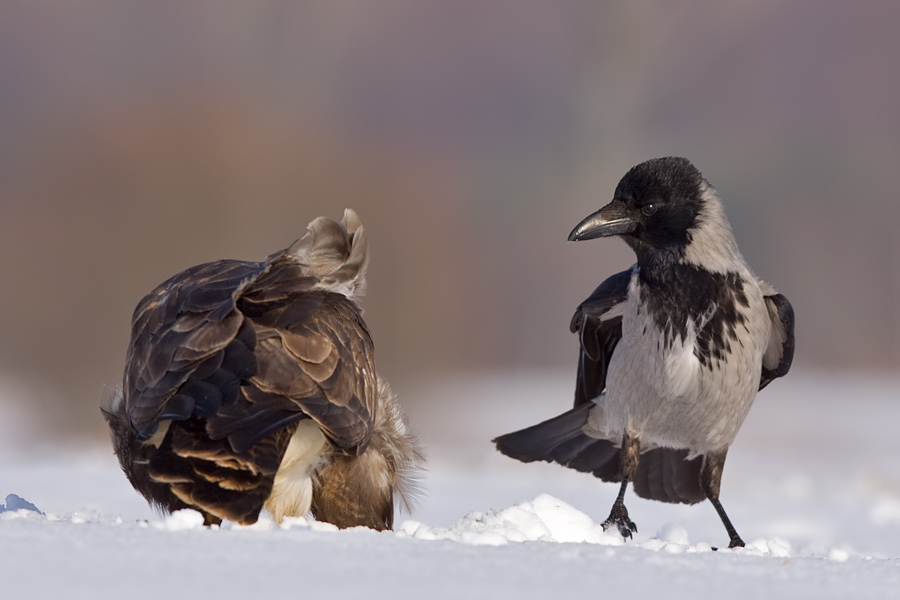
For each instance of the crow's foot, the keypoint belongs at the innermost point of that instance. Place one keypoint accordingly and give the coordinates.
(736, 542)
(618, 516)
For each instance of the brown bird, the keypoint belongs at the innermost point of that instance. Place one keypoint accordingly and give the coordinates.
(252, 385)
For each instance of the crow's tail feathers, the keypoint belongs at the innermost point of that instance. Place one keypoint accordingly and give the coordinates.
(668, 475)
(562, 440)
(663, 474)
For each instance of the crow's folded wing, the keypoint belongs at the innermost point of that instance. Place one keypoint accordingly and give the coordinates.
(780, 351)
(598, 323)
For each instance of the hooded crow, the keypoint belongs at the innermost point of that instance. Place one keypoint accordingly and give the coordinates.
(673, 350)
(252, 385)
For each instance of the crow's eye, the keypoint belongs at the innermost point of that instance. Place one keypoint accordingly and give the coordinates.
(648, 209)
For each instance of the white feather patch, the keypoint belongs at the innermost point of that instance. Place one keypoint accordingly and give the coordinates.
(617, 310)
(682, 365)
(292, 492)
(157, 438)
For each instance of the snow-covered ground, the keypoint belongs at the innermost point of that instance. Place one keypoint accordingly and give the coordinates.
(812, 484)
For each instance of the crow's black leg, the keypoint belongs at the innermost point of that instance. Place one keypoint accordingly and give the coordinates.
(736, 541)
(710, 480)
(618, 516)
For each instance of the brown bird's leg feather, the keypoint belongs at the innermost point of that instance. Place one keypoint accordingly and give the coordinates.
(353, 491)
(618, 516)
(710, 480)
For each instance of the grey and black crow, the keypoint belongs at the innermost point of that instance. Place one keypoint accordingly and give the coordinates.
(252, 385)
(673, 350)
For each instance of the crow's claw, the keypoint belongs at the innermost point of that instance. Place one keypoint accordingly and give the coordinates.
(736, 542)
(618, 516)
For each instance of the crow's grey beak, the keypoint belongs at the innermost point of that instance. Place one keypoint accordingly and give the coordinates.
(612, 219)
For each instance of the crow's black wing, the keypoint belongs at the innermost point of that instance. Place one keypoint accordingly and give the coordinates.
(780, 351)
(598, 323)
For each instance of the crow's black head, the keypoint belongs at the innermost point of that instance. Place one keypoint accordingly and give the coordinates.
(655, 206)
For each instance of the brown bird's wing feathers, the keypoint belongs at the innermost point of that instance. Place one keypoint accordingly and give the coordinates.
(316, 355)
(226, 358)
(184, 324)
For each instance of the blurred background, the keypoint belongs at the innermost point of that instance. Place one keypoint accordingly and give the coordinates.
(138, 139)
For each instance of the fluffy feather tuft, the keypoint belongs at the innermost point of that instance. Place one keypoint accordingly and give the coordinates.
(334, 253)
